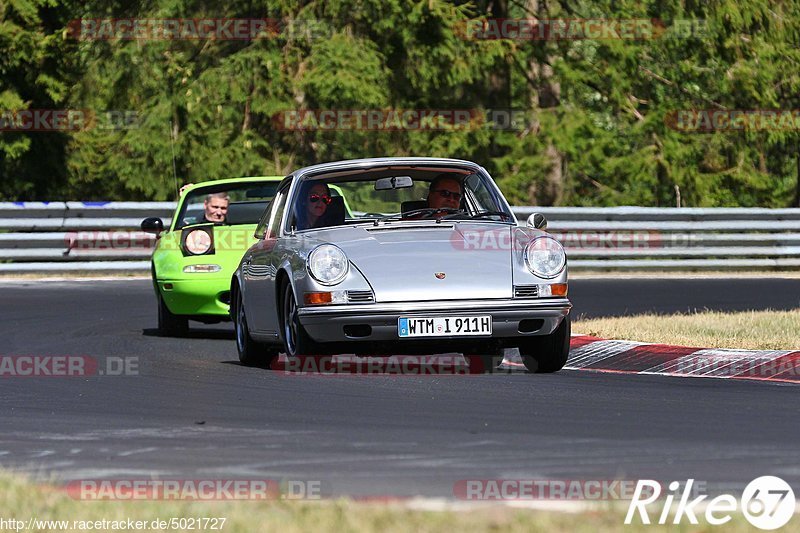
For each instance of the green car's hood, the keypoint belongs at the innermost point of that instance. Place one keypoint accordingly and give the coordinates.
(230, 243)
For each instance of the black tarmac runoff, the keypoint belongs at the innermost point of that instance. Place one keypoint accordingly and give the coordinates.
(185, 408)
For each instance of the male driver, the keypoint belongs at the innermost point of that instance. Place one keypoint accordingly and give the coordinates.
(216, 207)
(445, 192)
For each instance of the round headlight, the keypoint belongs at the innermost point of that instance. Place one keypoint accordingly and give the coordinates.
(198, 242)
(545, 257)
(328, 264)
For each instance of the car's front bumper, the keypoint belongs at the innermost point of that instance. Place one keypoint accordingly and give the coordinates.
(201, 296)
(511, 319)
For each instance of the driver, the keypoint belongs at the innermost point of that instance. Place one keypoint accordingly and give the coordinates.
(215, 208)
(445, 192)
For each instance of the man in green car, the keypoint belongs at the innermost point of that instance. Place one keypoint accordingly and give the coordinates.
(216, 207)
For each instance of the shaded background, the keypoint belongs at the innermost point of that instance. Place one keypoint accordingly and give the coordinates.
(597, 112)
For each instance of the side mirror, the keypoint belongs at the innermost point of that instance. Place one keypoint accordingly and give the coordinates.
(537, 221)
(152, 225)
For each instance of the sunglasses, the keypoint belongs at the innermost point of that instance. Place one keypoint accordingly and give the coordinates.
(314, 198)
(444, 193)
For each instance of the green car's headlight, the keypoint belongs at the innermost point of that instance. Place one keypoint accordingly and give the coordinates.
(545, 257)
(198, 242)
(328, 264)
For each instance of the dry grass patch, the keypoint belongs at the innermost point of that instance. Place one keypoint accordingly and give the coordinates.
(21, 500)
(748, 330)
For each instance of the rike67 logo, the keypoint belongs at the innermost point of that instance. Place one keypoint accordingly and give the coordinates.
(767, 503)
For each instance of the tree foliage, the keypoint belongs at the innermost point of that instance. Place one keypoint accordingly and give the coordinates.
(596, 116)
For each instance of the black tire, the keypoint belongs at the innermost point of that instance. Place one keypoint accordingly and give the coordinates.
(295, 339)
(251, 352)
(547, 353)
(169, 323)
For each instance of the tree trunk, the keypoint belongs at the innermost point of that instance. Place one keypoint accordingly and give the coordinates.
(797, 188)
(546, 94)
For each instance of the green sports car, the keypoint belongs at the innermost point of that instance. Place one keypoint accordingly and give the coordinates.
(196, 255)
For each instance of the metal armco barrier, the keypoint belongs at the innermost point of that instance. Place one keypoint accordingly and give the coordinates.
(105, 236)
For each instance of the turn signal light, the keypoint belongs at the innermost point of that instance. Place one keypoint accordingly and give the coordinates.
(558, 289)
(317, 298)
(552, 289)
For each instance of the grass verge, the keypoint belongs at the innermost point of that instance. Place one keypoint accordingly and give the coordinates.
(23, 500)
(748, 330)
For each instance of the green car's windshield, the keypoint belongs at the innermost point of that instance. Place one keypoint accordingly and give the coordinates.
(228, 204)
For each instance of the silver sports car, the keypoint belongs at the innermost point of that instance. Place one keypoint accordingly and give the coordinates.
(400, 256)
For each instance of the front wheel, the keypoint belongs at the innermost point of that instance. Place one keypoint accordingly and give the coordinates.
(169, 323)
(295, 339)
(547, 353)
(251, 353)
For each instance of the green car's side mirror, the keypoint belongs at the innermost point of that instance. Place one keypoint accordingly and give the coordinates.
(152, 225)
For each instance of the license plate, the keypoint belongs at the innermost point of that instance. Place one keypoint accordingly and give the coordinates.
(444, 326)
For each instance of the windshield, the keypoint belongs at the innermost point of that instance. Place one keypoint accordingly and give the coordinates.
(397, 195)
(228, 204)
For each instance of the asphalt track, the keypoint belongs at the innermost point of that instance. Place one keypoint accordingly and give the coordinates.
(193, 412)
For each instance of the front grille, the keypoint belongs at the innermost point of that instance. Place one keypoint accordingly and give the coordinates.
(526, 291)
(360, 297)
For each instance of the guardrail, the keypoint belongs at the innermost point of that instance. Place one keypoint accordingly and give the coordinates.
(104, 236)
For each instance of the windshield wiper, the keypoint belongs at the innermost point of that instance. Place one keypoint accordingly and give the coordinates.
(481, 214)
(393, 216)
(407, 214)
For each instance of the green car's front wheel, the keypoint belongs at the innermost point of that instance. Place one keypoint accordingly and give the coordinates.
(169, 323)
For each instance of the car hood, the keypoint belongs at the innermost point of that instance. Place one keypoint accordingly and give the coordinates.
(446, 261)
(230, 243)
